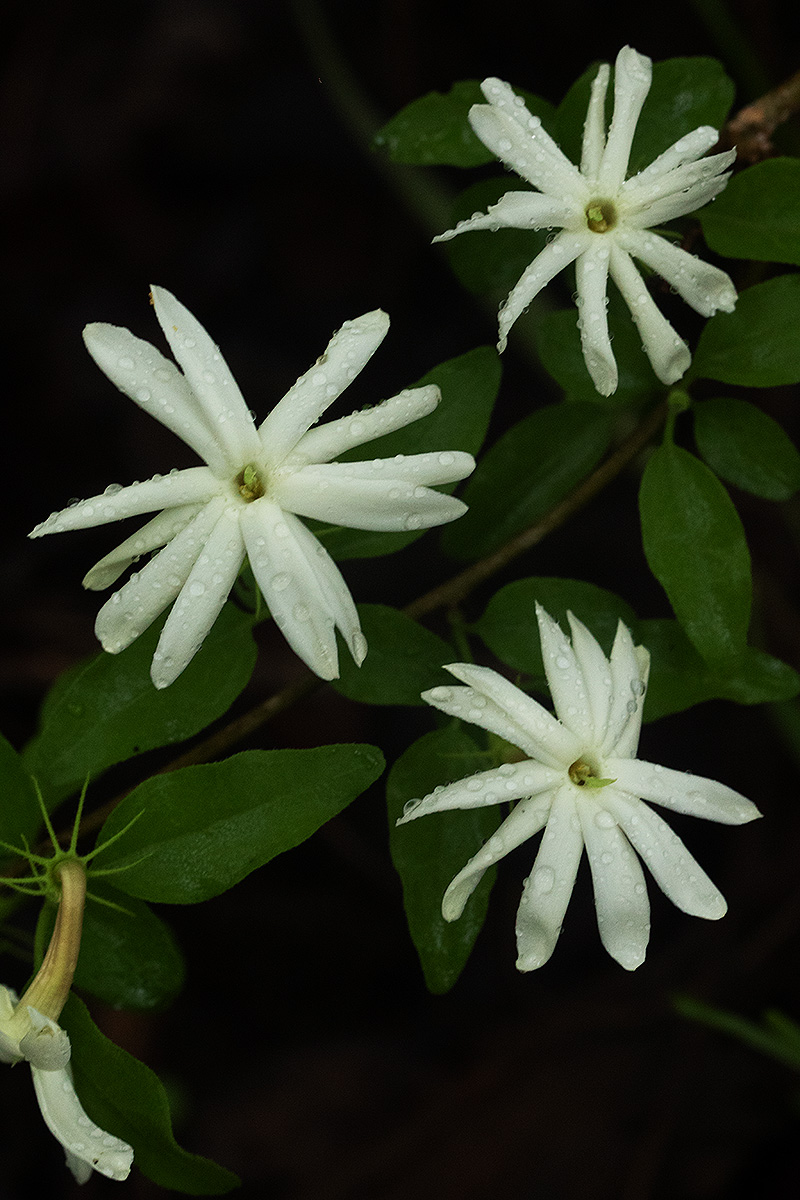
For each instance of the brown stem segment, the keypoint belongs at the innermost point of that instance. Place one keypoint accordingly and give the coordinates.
(49, 990)
(751, 129)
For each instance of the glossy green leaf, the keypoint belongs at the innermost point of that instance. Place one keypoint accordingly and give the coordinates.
(20, 815)
(469, 386)
(126, 1098)
(198, 831)
(491, 262)
(758, 214)
(434, 130)
(129, 958)
(107, 710)
(757, 344)
(510, 630)
(533, 466)
(403, 660)
(680, 678)
(558, 341)
(429, 853)
(696, 548)
(747, 448)
(685, 93)
(778, 1036)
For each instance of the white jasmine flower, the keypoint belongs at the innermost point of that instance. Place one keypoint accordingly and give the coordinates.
(247, 500)
(25, 1033)
(604, 217)
(581, 782)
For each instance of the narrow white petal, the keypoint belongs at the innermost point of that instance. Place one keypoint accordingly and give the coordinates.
(591, 279)
(700, 284)
(156, 385)
(594, 128)
(630, 666)
(684, 793)
(148, 592)
(549, 886)
(162, 529)
(333, 587)
(86, 1144)
(512, 781)
(195, 485)
(687, 148)
(672, 866)
(519, 210)
(565, 679)
(620, 892)
(524, 822)
(431, 467)
(596, 671)
(200, 600)
(669, 355)
(328, 441)
(527, 149)
(391, 503)
(545, 738)
(347, 353)
(210, 378)
(299, 606)
(633, 74)
(557, 255)
(677, 205)
(644, 190)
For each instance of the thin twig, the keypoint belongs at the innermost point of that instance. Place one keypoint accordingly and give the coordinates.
(751, 129)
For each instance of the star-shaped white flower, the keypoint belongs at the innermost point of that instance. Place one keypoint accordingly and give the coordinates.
(248, 499)
(26, 1034)
(582, 784)
(604, 217)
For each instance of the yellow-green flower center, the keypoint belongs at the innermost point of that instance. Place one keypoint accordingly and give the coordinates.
(249, 483)
(601, 216)
(583, 774)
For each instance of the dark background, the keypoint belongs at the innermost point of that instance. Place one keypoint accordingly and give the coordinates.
(222, 150)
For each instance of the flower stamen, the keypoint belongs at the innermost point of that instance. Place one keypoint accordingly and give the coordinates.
(601, 215)
(249, 483)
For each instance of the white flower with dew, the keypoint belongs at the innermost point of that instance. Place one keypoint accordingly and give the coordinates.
(25, 1033)
(248, 498)
(605, 219)
(582, 784)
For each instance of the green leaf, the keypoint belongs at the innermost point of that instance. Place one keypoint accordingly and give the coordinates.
(758, 214)
(469, 386)
(128, 958)
(757, 344)
(126, 1098)
(779, 1037)
(107, 710)
(685, 93)
(20, 815)
(696, 548)
(679, 677)
(198, 831)
(747, 448)
(509, 627)
(491, 262)
(403, 660)
(558, 341)
(533, 466)
(429, 853)
(434, 130)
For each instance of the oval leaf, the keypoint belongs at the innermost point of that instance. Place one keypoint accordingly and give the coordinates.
(758, 214)
(20, 815)
(107, 710)
(428, 853)
(403, 660)
(696, 548)
(533, 466)
(126, 1098)
(747, 448)
(757, 344)
(198, 831)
